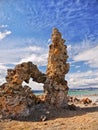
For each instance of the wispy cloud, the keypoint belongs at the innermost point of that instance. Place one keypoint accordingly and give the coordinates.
(36, 54)
(77, 48)
(90, 57)
(3, 26)
(83, 79)
(38, 59)
(4, 34)
(86, 54)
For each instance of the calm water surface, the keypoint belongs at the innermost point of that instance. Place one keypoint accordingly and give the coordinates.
(76, 92)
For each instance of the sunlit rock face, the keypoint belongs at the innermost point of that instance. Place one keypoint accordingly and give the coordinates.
(55, 87)
(16, 100)
(23, 72)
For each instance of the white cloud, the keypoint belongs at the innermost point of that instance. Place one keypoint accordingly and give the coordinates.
(86, 53)
(4, 34)
(89, 56)
(78, 48)
(83, 79)
(36, 54)
(34, 85)
(34, 48)
(3, 69)
(40, 59)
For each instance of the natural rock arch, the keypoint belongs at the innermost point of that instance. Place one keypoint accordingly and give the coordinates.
(16, 100)
(23, 72)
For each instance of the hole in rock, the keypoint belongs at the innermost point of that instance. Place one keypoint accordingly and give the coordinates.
(37, 88)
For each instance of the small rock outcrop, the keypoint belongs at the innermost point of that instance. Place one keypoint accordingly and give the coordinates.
(55, 87)
(86, 101)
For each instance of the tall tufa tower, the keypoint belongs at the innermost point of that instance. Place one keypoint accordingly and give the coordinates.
(55, 87)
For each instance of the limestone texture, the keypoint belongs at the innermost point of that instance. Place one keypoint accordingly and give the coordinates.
(55, 87)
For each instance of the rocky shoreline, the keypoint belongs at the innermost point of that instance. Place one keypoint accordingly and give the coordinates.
(42, 111)
(79, 115)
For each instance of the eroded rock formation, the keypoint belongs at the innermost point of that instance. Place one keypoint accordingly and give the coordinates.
(55, 87)
(23, 72)
(16, 100)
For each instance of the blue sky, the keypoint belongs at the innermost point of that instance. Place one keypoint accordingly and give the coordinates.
(25, 32)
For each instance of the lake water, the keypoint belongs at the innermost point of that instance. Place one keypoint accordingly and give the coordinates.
(77, 92)
(83, 92)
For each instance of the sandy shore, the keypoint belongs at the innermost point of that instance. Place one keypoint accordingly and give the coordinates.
(84, 117)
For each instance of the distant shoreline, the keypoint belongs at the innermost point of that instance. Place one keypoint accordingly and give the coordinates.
(75, 92)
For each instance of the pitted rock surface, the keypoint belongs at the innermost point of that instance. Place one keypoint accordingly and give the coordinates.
(16, 100)
(55, 87)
